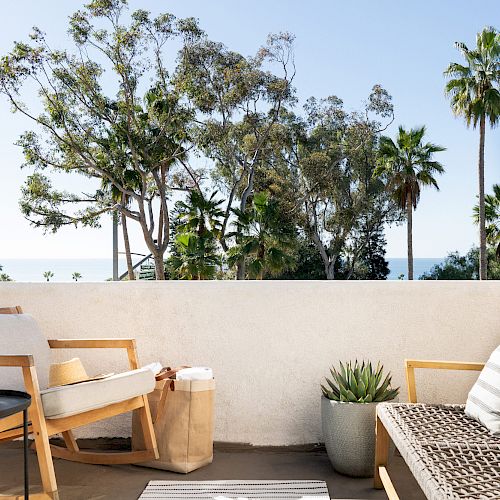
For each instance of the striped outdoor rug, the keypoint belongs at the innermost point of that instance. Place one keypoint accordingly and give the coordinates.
(236, 490)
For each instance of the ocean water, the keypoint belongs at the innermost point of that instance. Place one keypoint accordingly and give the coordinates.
(63, 269)
(399, 266)
(102, 269)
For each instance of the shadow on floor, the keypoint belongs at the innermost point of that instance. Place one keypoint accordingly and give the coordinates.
(126, 482)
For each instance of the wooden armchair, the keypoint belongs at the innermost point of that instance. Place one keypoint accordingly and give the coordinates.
(418, 417)
(42, 426)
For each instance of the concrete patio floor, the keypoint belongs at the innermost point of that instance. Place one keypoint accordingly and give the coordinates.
(126, 482)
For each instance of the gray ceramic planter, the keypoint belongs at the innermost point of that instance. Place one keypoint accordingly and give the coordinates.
(349, 434)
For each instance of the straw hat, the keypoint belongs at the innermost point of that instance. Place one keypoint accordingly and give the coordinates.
(70, 372)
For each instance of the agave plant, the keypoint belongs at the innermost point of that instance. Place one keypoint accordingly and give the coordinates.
(359, 383)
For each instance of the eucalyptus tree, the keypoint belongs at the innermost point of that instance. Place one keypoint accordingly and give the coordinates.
(263, 241)
(237, 101)
(110, 113)
(322, 164)
(407, 165)
(474, 95)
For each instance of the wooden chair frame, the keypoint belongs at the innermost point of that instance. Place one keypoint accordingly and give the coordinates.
(42, 428)
(381, 478)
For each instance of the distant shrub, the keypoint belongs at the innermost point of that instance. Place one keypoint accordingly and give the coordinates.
(463, 267)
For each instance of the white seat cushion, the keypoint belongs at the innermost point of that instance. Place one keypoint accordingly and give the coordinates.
(19, 334)
(67, 400)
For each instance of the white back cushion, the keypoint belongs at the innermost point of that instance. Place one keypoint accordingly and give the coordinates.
(483, 402)
(19, 334)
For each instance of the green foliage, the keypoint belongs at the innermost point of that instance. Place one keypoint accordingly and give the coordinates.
(133, 143)
(41, 204)
(407, 165)
(308, 265)
(48, 274)
(138, 145)
(463, 267)
(474, 94)
(359, 383)
(238, 101)
(195, 252)
(196, 258)
(4, 276)
(76, 276)
(370, 262)
(323, 165)
(263, 241)
(492, 216)
(472, 87)
(200, 215)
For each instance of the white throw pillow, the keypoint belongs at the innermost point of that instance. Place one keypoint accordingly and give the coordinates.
(483, 402)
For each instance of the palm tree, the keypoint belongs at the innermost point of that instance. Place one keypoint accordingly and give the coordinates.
(492, 218)
(4, 276)
(200, 215)
(263, 241)
(76, 276)
(48, 274)
(473, 95)
(195, 253)
(407, 166)
(195, 257)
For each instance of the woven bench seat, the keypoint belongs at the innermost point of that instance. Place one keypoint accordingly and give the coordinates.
(450, 455)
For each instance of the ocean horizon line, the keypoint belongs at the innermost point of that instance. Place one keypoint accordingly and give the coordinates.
(96, 269)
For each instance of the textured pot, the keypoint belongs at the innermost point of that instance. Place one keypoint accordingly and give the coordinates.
(349, 434)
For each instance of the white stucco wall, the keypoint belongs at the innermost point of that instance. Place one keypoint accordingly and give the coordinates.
(270, 343)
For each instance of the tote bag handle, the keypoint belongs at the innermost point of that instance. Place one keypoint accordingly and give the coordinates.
(169, 372)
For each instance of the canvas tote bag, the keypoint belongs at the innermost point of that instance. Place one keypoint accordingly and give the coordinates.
(183, 419)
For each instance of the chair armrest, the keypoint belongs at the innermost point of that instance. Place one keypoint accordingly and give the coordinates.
(20, 360)
(443, 365)
(92, 343)
(411, 364)
(128, 344)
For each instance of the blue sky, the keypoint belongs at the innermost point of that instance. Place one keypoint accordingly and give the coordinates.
(342, 48)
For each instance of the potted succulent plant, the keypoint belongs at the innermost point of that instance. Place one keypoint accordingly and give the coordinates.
(348, 407)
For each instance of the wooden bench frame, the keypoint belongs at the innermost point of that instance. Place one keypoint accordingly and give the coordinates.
(381, 478)
(42, 428)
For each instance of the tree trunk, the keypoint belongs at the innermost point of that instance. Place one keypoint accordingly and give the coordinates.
(126, 243)
(330, 270)
(409, 227)
(115, 246)
(483, 262)
(159, 266)
(328, 263)
(240, 270)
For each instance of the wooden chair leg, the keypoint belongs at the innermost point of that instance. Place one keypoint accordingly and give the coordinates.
(149, 452)
(381, 452)
(390, 491)
(148, 431)
(37, 418)
(70, 441)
